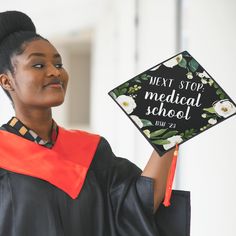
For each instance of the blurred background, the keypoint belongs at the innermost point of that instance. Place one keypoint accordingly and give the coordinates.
(106, 42)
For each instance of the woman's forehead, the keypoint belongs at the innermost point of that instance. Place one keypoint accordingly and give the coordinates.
(40, 47)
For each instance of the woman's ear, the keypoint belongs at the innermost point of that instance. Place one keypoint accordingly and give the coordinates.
(5, 82)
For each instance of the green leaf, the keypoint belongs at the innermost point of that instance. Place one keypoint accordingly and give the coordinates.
(157, 133)
(215, 85)
(123, 91)
(193, 65)
(218, 91)
(138, 81)
(210, 110)
(113, 95)
(124, 85)
(144, 77)
(183, 63)
(161, 142)
(189, 133)
(222, 96)
(170, 134)
(116, 91)
(146, 122)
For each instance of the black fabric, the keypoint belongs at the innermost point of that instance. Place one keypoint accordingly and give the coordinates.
(115, 201)
(175, 219)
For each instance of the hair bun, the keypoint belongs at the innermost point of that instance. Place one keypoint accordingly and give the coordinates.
(14, 21)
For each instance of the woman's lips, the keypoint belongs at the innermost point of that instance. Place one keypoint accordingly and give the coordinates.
(54, 85)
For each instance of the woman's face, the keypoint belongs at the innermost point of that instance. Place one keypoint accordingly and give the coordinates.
(39, 79)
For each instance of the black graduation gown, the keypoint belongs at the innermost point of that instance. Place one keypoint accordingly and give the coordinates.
(114, 201)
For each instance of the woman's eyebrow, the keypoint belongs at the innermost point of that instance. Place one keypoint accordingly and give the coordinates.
(39, 54)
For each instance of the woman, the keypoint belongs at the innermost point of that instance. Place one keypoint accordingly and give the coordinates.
(54, 181)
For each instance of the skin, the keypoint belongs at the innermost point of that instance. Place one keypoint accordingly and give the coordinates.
(33, 70)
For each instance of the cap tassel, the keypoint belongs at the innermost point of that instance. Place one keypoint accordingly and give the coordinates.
(170, 178)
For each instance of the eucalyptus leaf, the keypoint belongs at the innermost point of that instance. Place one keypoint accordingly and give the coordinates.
(222, 96)
(144, 77)
(183, 63)
(157, 133)
(187, 132)
(193, 65)
(161, 142)
(146, 122)
(116, 91)
(123, 91)
(210, 110)
(113, 95)
(170, 134)
(218, 91)
(124, 85)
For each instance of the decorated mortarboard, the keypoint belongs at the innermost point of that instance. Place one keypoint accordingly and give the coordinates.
(173, 102)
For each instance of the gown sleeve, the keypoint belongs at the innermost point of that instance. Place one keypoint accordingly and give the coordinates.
(130, 196)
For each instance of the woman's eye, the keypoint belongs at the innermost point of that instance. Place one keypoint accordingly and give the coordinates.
(59, 65)
(38, 66)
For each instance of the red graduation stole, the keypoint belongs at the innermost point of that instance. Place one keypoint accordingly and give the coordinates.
(65, 165)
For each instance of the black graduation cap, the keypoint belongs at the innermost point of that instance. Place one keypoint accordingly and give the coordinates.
(173, 101)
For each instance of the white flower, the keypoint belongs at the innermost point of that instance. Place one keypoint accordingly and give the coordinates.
(174, 61)
(127, 103)
(212, 121)
(204, 81)
(173, 140)
(204, 115)
(189, 75)
(211, 82)
(147, 133)
(203, 75)
(155, 68)
(224, 108)
(137, 121)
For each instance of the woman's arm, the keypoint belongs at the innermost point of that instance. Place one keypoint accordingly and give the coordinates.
(157, 168)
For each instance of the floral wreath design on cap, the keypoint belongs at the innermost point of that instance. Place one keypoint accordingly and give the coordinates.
(222, 108)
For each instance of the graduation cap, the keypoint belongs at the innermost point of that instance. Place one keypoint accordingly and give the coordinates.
(172, 102)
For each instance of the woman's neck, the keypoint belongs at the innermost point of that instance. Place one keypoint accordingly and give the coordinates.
(40, 121)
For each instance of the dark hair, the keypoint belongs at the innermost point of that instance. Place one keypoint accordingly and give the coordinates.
(16, 30)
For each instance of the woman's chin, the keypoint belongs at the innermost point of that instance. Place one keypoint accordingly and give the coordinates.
(57, 103)
(54, 103)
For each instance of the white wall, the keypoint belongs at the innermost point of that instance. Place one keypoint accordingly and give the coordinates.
(207, 163)
(6, 109)
(58, 17)
(113, 61)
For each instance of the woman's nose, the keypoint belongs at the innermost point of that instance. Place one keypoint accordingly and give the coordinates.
(52, 70)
